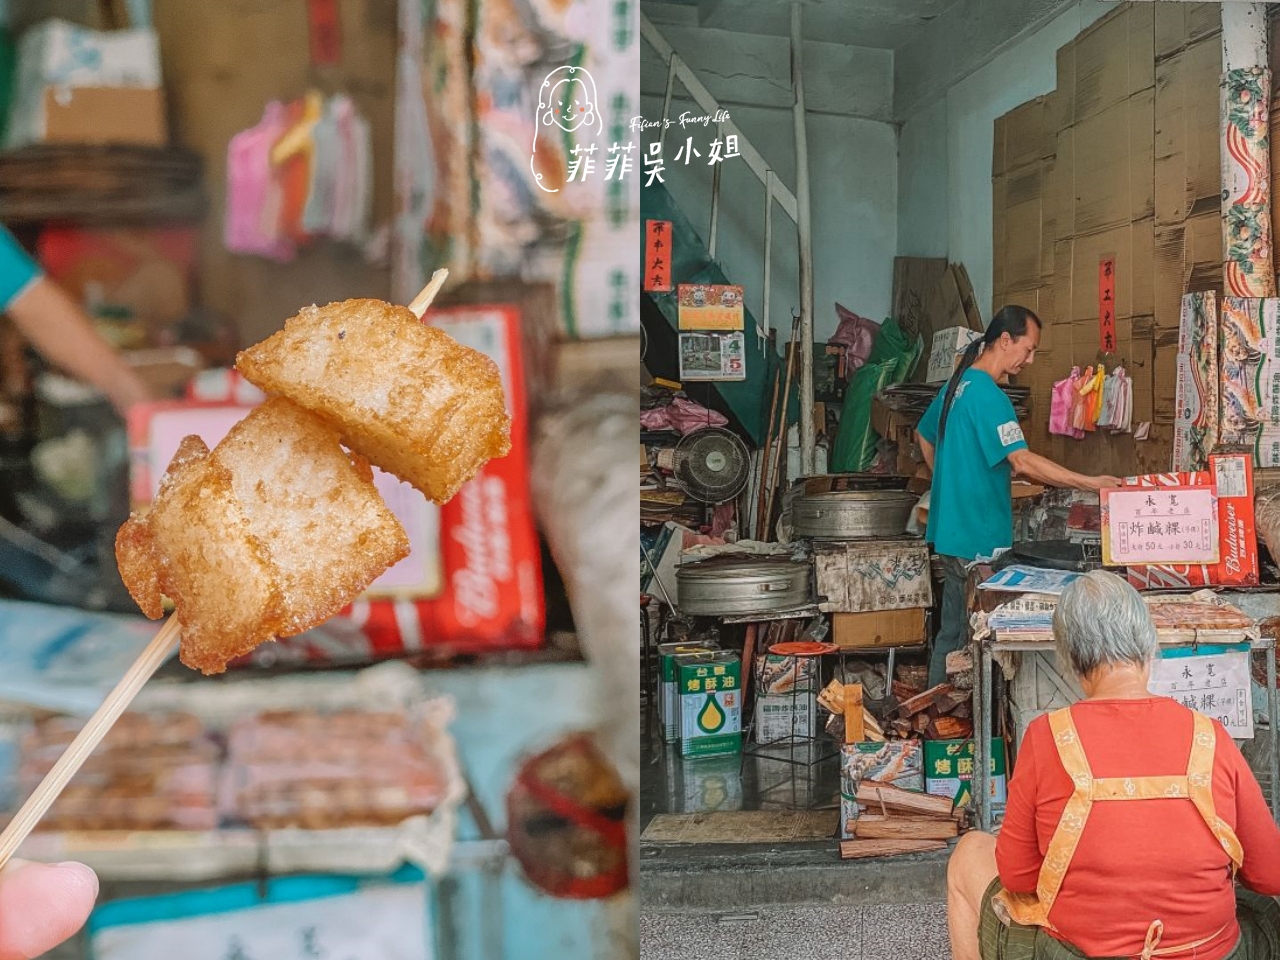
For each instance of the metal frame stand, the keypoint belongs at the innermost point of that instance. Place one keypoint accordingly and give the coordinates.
(983, 713)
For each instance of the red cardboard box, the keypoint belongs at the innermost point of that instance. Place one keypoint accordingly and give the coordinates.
(477, 585)
(1231, 474)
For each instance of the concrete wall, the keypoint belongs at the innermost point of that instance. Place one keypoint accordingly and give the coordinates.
(945, 156)
(852, 162)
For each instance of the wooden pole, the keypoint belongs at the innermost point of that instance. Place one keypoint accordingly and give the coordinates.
(780, 455)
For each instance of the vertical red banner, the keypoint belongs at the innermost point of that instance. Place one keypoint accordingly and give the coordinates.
(657, 256)
(1107, 304)
(326, 38)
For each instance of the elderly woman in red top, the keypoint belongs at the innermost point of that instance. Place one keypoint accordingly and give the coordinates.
(1129, 818)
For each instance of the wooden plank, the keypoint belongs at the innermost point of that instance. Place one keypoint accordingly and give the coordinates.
(854, 726)
(877, 796)
(874, 827)
(861, 849)
(950, 728)
(925, 700)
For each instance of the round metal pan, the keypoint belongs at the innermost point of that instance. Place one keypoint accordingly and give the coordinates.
(720, 588)
(853, 514)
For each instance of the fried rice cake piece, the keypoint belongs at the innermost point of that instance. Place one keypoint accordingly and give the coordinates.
(196, 546)
(270, 534)
(408, 396)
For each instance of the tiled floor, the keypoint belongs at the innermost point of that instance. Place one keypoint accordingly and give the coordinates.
(826, 932)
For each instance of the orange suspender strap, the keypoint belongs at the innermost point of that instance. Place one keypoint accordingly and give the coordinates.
(1196, 785)
(1200, 786)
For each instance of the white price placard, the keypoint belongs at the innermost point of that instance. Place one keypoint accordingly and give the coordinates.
(1213, 681)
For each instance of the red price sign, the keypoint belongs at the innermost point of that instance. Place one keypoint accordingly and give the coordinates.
(657, 256)
(1107, 304)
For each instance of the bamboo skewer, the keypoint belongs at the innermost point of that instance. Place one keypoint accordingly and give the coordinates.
(156, 653)
(118, 700)
(428, 293)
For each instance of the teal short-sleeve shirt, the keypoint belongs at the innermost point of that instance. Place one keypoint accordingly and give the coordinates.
(970, 509)
(17, 270)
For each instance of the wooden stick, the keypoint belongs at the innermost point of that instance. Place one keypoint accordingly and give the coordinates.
(872, 827)
(428, 293)
(766, 457)
(148, 662)
(854, 723)
(858, 849)
(780, 455)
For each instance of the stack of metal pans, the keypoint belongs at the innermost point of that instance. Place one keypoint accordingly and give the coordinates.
(853, 514)
(721, 588)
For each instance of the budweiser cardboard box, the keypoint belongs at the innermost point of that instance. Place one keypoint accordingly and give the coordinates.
(473, 579)
(1231, 474)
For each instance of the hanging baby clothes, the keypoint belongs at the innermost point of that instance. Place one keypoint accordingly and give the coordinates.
(1095, 400)
(294, 155)
(1124, 401)
(305, 171)
(353, 193)
(1078, 403)
(253, 195)
(1107, 409)
(1060, 404)
(317, 215)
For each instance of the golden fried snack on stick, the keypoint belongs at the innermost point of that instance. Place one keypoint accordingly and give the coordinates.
(148, 577)
(269, 535)
(408, 396)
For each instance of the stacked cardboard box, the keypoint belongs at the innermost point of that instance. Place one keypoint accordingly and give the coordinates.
(1121, 161)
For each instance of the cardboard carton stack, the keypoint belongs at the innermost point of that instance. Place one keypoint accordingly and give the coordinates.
(1120, 161)
(76, 85)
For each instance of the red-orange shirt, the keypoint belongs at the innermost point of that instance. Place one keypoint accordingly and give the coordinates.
(1138, 860)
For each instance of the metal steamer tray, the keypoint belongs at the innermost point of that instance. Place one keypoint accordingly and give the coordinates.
(729, 587)
(852, 514)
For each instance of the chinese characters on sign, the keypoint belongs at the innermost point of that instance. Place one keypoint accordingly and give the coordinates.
(1159, 525)
(1215, 684)
(710, 307)
(657, 256)
(1107, 304)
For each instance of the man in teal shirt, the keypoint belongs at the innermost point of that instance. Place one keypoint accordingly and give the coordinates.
(58, 328)
(972, 441)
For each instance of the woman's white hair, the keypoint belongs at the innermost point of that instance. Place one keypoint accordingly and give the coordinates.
(1101, 620)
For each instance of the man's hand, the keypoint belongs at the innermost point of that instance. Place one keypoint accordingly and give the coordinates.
(42, 905)
(1106, 482)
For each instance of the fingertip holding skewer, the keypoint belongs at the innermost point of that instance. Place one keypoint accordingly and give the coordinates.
(422, 301)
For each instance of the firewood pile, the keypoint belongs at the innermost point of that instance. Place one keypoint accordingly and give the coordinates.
(895, 821)
(940, 713)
